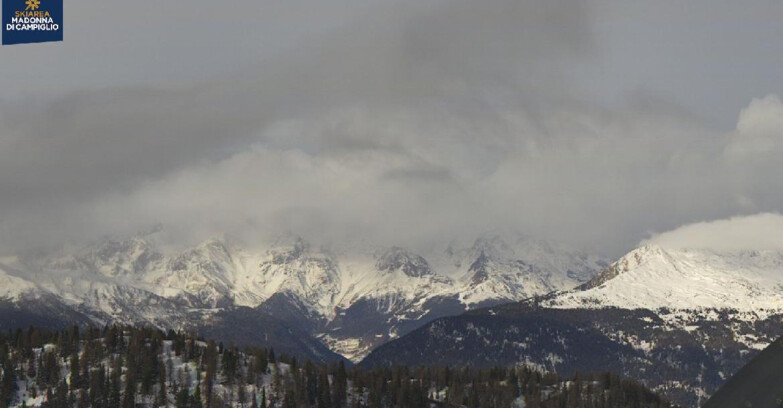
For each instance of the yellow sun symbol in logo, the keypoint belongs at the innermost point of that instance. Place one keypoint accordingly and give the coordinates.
(32, 4)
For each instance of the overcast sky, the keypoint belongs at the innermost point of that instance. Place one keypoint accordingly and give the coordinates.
(594, 123)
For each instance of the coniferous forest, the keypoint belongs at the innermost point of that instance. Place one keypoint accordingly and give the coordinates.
(143, 367)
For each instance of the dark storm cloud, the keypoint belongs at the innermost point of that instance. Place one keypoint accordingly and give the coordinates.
(401, 122)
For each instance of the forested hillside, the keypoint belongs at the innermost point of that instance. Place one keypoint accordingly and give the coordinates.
(141, 367)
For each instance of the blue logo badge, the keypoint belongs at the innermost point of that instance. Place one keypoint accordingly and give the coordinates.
(32, 21)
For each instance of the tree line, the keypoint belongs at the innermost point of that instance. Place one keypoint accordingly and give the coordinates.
(129, 367)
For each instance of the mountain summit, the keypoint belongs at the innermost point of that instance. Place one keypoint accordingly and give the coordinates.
(654, 277)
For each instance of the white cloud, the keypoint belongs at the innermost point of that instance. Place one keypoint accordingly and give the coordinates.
(753, 232)
(759, 129)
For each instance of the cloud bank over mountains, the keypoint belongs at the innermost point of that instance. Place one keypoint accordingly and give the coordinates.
(752, 232)
(402, 124)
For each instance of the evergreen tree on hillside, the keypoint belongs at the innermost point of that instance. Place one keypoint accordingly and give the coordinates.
(126, 366)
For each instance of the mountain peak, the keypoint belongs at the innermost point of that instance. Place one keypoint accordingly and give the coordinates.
(653, 277)
(215, 246)
(291, 252)
(639, 256)
(12, 287)
(479, 269)
(410, 264)
(492, 246)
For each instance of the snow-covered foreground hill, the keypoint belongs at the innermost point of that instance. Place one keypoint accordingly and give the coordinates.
(653, 277)
(350, 299)
(687, 286)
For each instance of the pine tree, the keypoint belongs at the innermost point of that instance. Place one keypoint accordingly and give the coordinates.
(182, 399)
(162, 398)
(83, 400)
(197, 403)
(324, 392)
(75, 377)
(129, 395)
(8, 385)
(241, 396)
(49, 398)
(84, 366)
(340, 385)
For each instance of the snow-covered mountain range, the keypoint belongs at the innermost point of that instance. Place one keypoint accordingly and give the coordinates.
(702, 312)
(680, 320)
(351, 299)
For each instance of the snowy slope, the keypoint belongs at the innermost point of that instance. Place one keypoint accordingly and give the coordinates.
(310, 276)
(396, 275)
(653, 277)
(12, 288)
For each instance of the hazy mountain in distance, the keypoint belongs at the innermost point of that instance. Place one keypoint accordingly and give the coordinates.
(351, 299)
